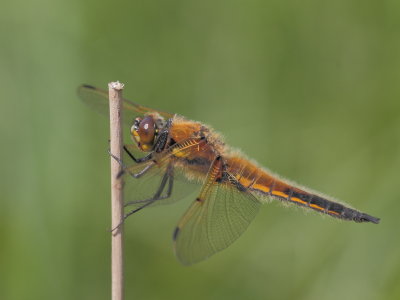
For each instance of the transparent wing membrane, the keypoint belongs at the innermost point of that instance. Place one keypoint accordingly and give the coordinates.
(158, 180)
(150, 186)
(97, 99)
(213, 222)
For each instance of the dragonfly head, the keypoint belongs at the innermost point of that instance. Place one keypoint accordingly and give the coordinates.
(144, 131)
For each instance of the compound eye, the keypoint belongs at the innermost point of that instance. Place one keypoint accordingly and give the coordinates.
(135, 126)
(146, 130)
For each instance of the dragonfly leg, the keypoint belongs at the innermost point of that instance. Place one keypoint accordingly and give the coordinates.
(122, 172)
(157, 196)
(138, 160)
(116, 158)
(138, 174)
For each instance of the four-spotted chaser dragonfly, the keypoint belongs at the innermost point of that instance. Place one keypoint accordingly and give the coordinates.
(232, 187)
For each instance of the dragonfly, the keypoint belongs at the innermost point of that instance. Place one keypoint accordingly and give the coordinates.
(175, 149)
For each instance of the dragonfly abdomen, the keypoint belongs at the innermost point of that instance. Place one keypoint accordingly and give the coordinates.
(259, 181)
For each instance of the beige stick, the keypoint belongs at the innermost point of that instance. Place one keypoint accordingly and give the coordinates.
(117, 206)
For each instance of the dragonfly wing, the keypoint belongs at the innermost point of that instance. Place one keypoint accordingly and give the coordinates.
(150, 177)
(142, 190)
(97, 99)
(220, 214)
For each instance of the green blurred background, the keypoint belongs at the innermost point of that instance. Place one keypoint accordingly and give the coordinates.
(309, 89)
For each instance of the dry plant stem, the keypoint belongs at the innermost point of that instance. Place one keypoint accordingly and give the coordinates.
(117, 206)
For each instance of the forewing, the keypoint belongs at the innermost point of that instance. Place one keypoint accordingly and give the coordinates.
(214, 221)
(97, 99)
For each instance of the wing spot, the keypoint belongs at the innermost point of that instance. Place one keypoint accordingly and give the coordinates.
(88, 86)
(176, 232)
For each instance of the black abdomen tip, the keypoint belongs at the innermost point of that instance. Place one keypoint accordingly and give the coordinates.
(368, 218)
